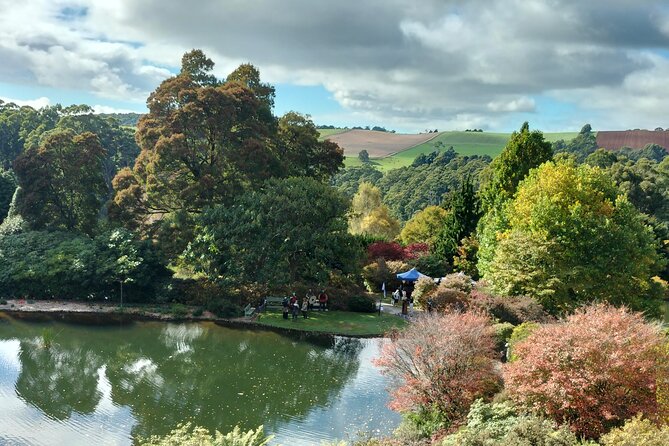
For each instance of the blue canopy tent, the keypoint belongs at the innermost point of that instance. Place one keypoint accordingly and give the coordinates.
(412, 275)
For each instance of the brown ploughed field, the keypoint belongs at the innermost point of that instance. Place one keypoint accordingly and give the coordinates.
(636, 139)
(377, 144)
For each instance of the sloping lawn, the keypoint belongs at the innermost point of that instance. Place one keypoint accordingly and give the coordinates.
(336, 322)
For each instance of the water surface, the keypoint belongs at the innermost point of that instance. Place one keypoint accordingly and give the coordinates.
(80, 385)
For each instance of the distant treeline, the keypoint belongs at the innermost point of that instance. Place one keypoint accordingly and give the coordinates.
(124, 119)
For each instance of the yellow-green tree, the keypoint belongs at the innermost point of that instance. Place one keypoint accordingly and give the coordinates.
(370, 216)
(571, 239)
(425, 226)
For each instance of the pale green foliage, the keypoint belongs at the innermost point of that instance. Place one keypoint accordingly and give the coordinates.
(186, 435)
(370, 216)
(571, 239)
(499, 424)
(425, 226)
(637, 432)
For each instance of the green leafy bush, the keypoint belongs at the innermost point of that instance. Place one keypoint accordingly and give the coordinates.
(424, 287)
(500, 424)
(224, 308)
(362, 304)
(179, 310)
(186, 435)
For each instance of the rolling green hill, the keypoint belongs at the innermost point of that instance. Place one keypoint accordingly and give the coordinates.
(465, 143)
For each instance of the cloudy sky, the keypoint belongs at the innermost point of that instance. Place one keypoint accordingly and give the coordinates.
(403, 64)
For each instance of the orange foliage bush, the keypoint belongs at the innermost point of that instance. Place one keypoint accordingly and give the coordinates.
(593, 370)
(443, 362)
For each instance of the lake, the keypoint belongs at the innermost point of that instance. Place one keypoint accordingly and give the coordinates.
(109, 385)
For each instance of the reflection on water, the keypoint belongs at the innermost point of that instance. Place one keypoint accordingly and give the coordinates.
(108, 385)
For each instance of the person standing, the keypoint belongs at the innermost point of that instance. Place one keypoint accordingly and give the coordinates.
(305, 307)
(323, 300)
(284, 304)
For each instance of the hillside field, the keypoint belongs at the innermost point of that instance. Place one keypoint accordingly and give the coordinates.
(465, 143)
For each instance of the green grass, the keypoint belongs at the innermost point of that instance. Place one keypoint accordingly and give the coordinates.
(324, 133)
(336, 322)
(465, 143)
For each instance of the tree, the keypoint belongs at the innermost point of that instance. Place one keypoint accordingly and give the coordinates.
(249, 75)
(363, 156)
(370, 216)
(257, 240)
(524, 151)
(300, 151)
(61, 182)
(571, 240)
(348, 180)
(444, 362)
(425, 226)
(593, 371)
(197, 66)
(584, 144)
(461, 221)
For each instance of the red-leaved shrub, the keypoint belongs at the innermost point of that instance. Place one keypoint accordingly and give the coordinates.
(593, 370)
(444, 361)
(416, 250)
(385, 250)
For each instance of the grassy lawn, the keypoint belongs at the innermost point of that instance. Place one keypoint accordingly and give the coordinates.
(465, 143)
(337, 322)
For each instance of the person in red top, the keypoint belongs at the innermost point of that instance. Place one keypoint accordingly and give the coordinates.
(323, 300)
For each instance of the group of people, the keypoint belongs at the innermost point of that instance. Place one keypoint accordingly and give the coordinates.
(291, 305)
(404, 294)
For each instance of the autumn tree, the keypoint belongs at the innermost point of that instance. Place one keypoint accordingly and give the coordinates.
(425, 226)
(204, 142)
(370, 216)
(61, 182)
(525, 151)
(593, 371)
(443, 363)
(572, 239)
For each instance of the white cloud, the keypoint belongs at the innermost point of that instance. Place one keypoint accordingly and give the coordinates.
(442, 62)
(34, 103)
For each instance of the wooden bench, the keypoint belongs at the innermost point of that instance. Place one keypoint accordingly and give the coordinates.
(274, 302)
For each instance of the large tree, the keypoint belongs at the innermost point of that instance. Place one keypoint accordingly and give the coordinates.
(61, 182)
(287, 230)
(300, 151)
(206, 141)
(525, 150)
(572, 239)
(462, 219)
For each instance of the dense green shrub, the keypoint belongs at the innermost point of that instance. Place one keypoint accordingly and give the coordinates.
(224, 308)
(362, 304)
(499, 424)
(41, 264)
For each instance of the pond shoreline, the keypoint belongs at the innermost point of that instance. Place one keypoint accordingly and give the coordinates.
(109, 314)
